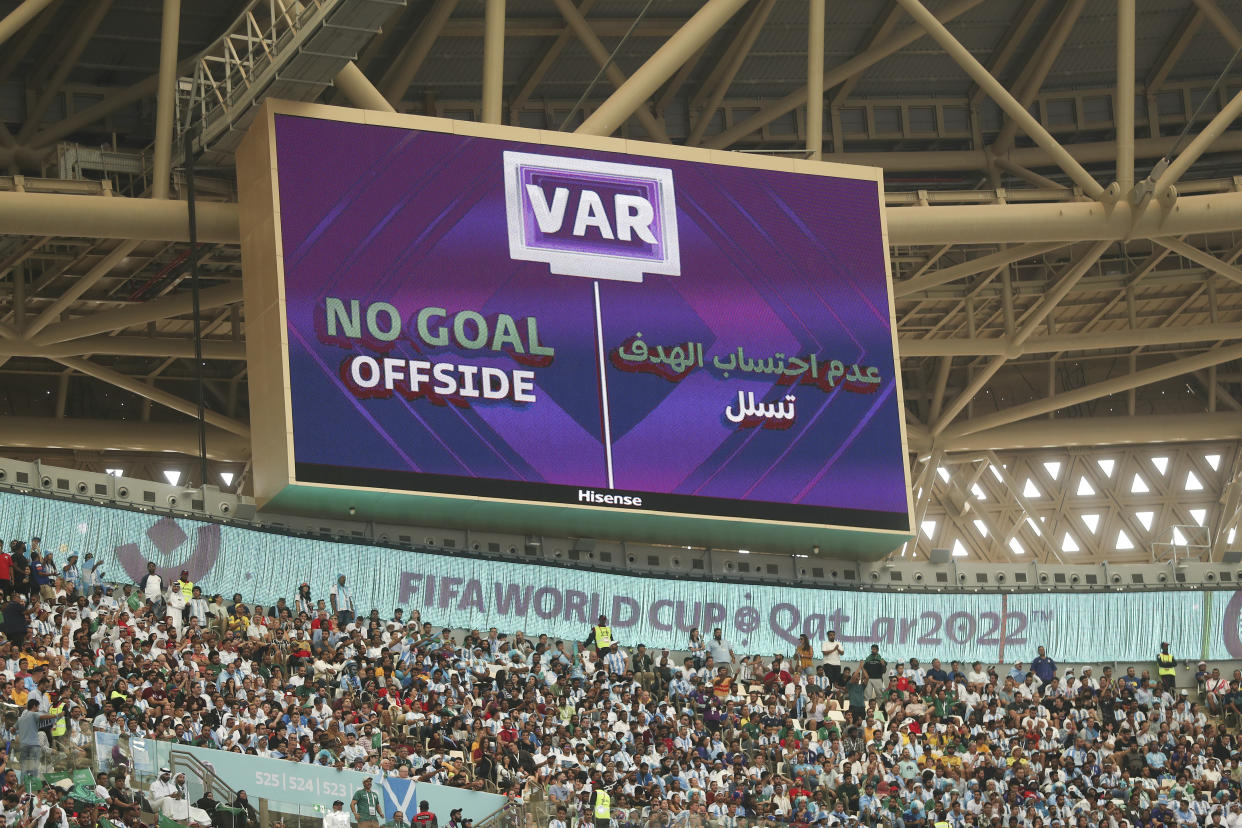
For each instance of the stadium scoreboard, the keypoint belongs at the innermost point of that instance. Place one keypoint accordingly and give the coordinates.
(514, 330)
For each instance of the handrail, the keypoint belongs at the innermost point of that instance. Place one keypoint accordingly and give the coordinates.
(211, 781)
(496, 819)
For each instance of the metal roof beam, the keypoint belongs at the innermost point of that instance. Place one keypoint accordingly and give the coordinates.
(632, 96)
(405, 65)
(144, 346)
(1174, 47)
(140, 313)
(166, 99)
(1009, 44)
(1123, 100)
(54, 214)
(1033, 76)
(359, 90)
(997, 92)
(1222, 23)
(943, 276)
(834, 76)
(533, 76)
(721, 78)
(586, 35)
(883, 26)
(1055, 343)
(1200, 257)
(1068, 432)
(120, 435)
(150, 392)
(1095, 391)
(19, 17)
(1072, 275)
(65, 64)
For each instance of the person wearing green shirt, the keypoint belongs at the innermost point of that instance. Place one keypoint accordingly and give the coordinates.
(365, 806)
(398, 820)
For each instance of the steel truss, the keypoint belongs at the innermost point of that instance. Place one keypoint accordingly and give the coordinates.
(1056, 283)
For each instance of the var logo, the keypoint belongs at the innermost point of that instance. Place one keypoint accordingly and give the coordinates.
(596, 219)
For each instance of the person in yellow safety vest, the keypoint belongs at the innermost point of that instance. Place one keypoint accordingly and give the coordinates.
(185, 585)
(601, 807)
(600, 636)
(1166, 666)
(60, 725)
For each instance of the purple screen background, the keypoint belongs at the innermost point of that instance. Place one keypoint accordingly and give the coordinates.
(772, 262)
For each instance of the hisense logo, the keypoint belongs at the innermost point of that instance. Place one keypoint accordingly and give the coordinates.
(595, 219)
(600, 498)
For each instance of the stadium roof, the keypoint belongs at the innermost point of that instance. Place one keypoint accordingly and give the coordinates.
(1039, 307)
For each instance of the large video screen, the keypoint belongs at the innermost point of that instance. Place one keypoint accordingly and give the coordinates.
(515, 320)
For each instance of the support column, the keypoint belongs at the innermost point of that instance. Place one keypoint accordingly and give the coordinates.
(166, 99)
(1124, 104)
(493, 60)
(815, 81)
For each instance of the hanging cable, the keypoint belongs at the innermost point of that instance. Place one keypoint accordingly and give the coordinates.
(604, 66)
(1177, 145)
(1144, 189)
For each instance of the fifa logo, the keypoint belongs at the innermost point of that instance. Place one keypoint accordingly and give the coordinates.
(594, 219)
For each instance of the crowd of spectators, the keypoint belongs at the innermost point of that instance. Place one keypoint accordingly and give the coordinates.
(602, 731)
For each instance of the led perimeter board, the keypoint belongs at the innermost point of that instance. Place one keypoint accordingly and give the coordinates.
(515, 330)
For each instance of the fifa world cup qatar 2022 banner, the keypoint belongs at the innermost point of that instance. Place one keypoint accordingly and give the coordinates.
(457, 591)
(502, 318)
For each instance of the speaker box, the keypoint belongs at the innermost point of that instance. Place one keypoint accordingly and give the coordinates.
(940, 556)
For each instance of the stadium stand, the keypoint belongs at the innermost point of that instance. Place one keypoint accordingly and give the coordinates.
(707, 736)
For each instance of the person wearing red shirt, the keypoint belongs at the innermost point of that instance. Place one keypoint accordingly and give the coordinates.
(902, 681)
(6, 570)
